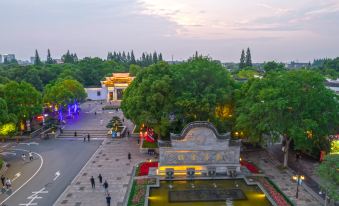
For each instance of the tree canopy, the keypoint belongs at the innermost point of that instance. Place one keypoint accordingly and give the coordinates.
(169, 96)
(294, 104)
(328, 173)
(22, 99)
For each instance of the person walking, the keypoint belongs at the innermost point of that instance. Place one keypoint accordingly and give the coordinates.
(129, 156)
(88, 137)
(8, 184)
(3, 180)
(92, 182)
(108, 200)
(75, 133)
(100, 178)
(23, 157)
(106, 186)
(30, 155)
(84, 138)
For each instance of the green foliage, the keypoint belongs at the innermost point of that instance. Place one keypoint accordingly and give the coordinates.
(328, 173)
(148, 98)
(64, 92)
(247, 73)
(273, 66)
(69, 58)
(49, 59)
(289, 103)
(37, 60)
(242, 63)
(248, 61)
(190, 91)
(129, 59)
(327, 67)
(150, 145)
(22, 99)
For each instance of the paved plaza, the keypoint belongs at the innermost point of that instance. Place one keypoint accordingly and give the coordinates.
(110, 160)
(282, 178)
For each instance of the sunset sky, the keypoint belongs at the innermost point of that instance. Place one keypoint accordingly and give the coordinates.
(282, 30)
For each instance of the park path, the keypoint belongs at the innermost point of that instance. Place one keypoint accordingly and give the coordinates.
(283, 178)
(111, 161)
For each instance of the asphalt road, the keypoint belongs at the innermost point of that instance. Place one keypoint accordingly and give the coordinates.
(62, 161)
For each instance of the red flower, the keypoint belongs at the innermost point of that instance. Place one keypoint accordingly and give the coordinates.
(249, 166)
(144, 167)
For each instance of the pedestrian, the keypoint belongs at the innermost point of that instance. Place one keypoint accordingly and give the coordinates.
(75, 133)
(92, 182)
(3, 180)
(23, 156)
(8, 183)
(84, 138)
(88, 137)
(106, 186)
(100, 178)
(123, 119)
(138, 141)
(30, 155)
(128, 133)
(95, 113)
(129, 156)
(108, 200)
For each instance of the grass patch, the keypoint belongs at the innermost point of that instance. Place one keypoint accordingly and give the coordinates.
(151, 145)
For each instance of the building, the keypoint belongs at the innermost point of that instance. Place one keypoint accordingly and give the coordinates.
(8, 57)
(199, 148)
(111, 89)
(333, 85)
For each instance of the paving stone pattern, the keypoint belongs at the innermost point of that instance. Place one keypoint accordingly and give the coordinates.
(111, 161)
(282, 178)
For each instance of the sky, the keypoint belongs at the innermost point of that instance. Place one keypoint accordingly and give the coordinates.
(280, 30)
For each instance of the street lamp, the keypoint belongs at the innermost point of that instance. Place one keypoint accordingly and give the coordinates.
(298, 178)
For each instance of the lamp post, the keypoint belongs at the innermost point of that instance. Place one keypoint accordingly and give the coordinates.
(298, 178)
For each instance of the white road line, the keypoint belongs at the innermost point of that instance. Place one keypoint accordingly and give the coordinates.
(16, 176)
(36, 172)
(57, 174)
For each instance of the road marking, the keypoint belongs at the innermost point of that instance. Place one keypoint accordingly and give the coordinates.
(5, 145)
(34, 196)
(16, 176)
(57, 174)
(36, 172)
(29, 143)
(8, 153)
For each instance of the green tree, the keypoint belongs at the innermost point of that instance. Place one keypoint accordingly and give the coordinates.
(37, 60)
(328, 174)
(273, 66)
(201, 86)
(133, 58)
(148, 99)
(49, 58)
(64, 92)
(23, 100)
(294, 104)
(248, 58)
(242, 63)
(32, 77)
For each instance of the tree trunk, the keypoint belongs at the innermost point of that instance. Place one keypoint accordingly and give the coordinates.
(286, 149)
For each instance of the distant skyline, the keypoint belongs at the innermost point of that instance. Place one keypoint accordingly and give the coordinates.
(281, 30)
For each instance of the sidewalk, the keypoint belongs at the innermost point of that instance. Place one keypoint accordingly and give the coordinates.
(111, 161)
(270, 166)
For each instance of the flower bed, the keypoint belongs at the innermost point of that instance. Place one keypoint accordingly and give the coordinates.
(143, 168)
(138, 191)
(251, 167)
(150, 145)
(278, 197)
